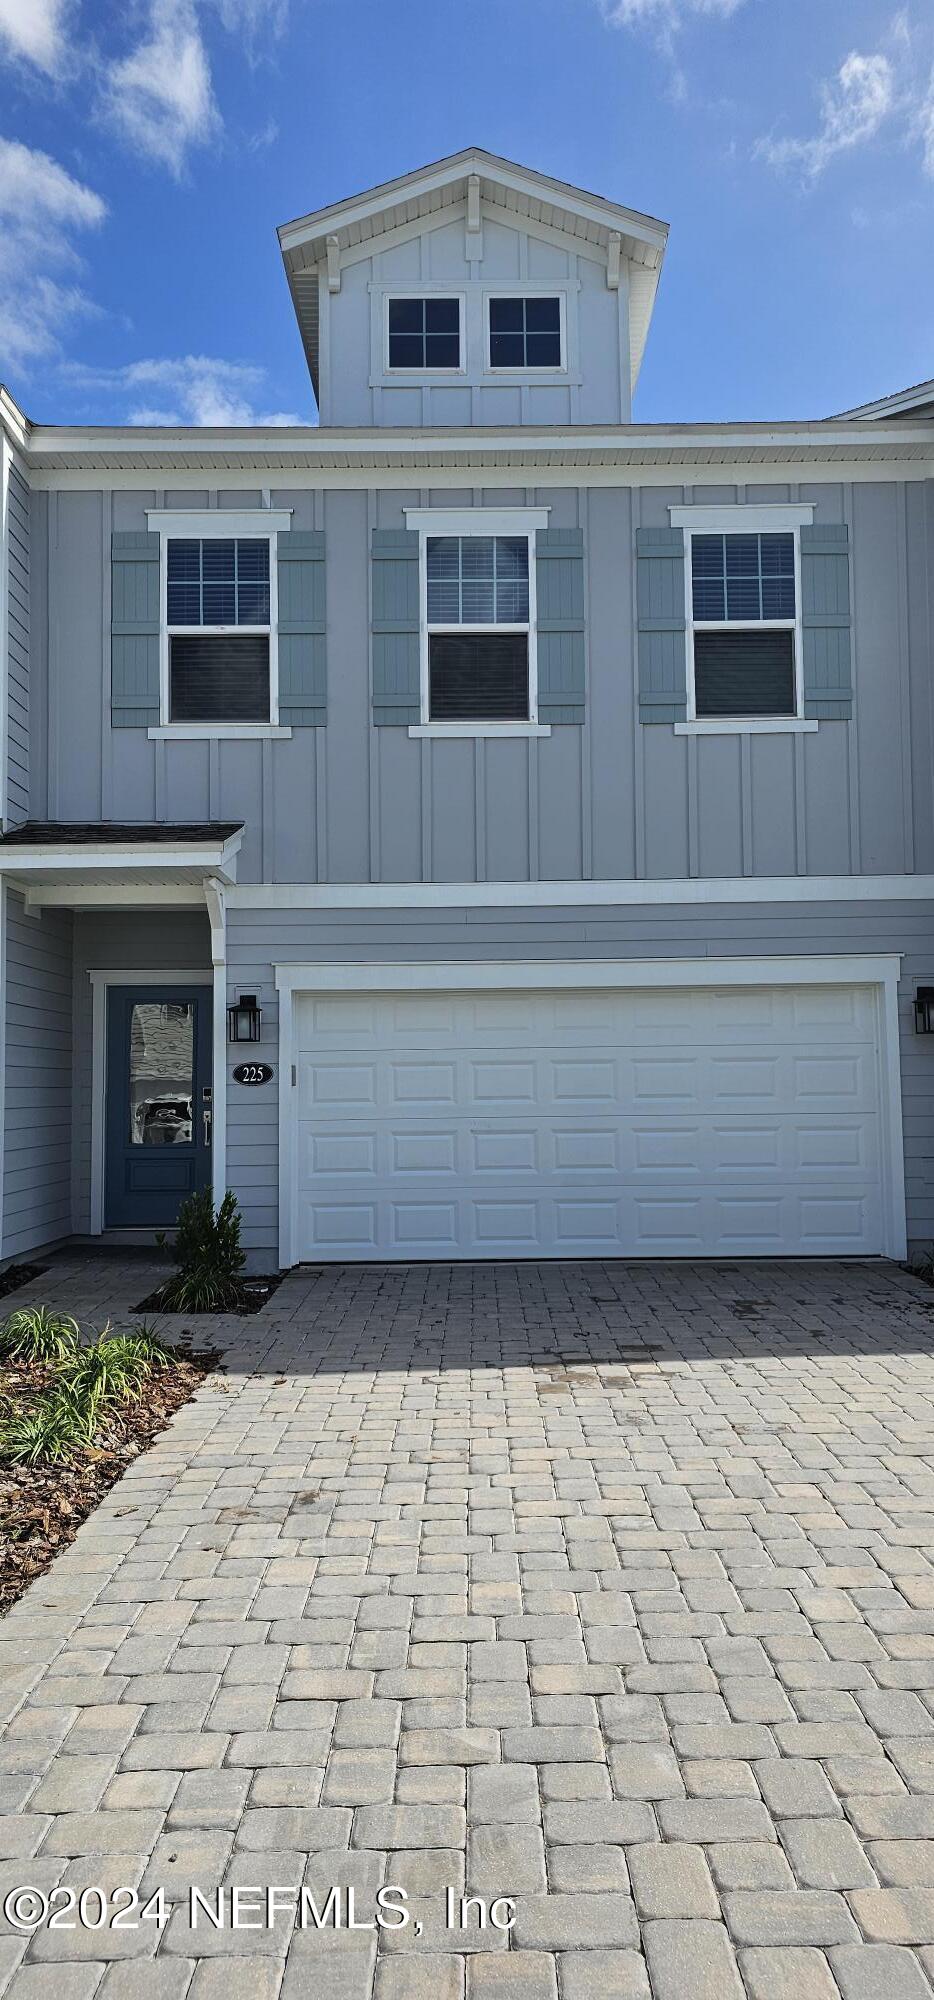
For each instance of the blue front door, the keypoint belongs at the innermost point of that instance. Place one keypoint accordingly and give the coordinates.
(158, 1117)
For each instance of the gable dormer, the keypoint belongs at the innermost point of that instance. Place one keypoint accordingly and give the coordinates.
(473, 292)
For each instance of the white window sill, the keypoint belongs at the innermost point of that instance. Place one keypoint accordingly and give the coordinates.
(456, 729)
(752, 725)
(196, 731)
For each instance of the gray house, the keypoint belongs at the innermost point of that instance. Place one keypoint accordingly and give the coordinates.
(544, 801)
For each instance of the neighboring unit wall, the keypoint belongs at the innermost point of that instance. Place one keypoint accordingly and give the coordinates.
(38, 1095)
(258, 939)
(16, 802)
(611, 800)
(120, 941)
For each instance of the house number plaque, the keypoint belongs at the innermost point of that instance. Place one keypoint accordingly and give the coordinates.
(253, 1072)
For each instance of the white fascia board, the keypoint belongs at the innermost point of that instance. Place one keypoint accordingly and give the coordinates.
(760, 516)
(751, 889)
(358, 210)
(199, 442)
(529, 975)
(217, 860)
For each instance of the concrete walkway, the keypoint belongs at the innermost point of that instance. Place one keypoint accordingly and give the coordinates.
(607, 1587)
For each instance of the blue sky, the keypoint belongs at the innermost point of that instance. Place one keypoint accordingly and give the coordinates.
(148, 148)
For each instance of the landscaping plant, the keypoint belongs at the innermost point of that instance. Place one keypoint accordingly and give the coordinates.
(208, 1257)
(86, 1382)
(36, 1333)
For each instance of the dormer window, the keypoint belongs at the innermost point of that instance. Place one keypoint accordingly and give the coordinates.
(424, 333)
(525, 332)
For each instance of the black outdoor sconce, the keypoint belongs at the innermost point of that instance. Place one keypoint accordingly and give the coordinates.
(924, 1010)
(245, 1019)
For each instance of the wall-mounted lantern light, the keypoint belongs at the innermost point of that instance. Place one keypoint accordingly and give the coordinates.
(924, 1010)
(244, 1019)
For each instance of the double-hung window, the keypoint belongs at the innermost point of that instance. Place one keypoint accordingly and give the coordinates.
(743, 605)
(219, 624)
(478, 591)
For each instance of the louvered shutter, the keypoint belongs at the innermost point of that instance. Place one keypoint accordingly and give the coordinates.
(396, 659)
(663, 692)
(135, 625)
(825, 620)
(302, 629)
(559, 588)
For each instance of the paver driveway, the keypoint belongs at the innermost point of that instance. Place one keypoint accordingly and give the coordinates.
(609, 1587)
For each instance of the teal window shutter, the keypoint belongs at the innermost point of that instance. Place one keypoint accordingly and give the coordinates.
(134, 631)
(302, 629)
(825, 622)
(396, 656)
(660, 587)
(559, 590)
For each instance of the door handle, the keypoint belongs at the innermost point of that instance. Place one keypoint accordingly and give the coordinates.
(206, 1125)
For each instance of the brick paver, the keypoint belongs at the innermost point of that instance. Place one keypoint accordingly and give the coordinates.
(607, 1587)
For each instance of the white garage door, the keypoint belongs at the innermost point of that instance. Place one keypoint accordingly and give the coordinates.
(650, 1123)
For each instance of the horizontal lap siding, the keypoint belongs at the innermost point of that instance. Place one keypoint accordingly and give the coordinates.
(257, 939)
(17, 781)
(37, 1139)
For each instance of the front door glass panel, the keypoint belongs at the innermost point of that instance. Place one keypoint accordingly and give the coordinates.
(161, 1080)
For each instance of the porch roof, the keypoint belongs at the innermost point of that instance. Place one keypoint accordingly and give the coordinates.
(76, 861)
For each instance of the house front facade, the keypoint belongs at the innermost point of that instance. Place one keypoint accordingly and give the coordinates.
(478, 826)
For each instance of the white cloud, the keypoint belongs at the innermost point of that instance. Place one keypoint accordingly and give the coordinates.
(41, 205)
(34, 31)
(160, 96)
(194, 389)
(664, 14)
(855, 104)
(924, 127)
(251, 18)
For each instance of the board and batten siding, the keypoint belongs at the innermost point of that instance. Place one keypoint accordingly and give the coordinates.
(38, 1083)
(610, 800)
(17, 716)
(258, 939)
(594, 388)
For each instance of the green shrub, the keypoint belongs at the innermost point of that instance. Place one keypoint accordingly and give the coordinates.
(208, 1257)
(112, 1369)
(54, 1428)
(37, 1333)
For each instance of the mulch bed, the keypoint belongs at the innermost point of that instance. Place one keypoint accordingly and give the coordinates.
(256, 1291)
(19, 1274)
(42, 1507)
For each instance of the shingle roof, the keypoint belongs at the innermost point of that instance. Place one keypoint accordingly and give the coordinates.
(111, 833)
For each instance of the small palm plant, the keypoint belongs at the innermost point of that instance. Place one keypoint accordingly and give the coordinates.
(209, 1258)
(37, 1333)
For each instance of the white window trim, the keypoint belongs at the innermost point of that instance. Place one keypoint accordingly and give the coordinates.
(461, 521)
(434, 289)
(527, 288)
(781, 518)
(878, 971)
(215, 524)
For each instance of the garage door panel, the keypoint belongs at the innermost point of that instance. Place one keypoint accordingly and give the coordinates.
(569, 1123)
